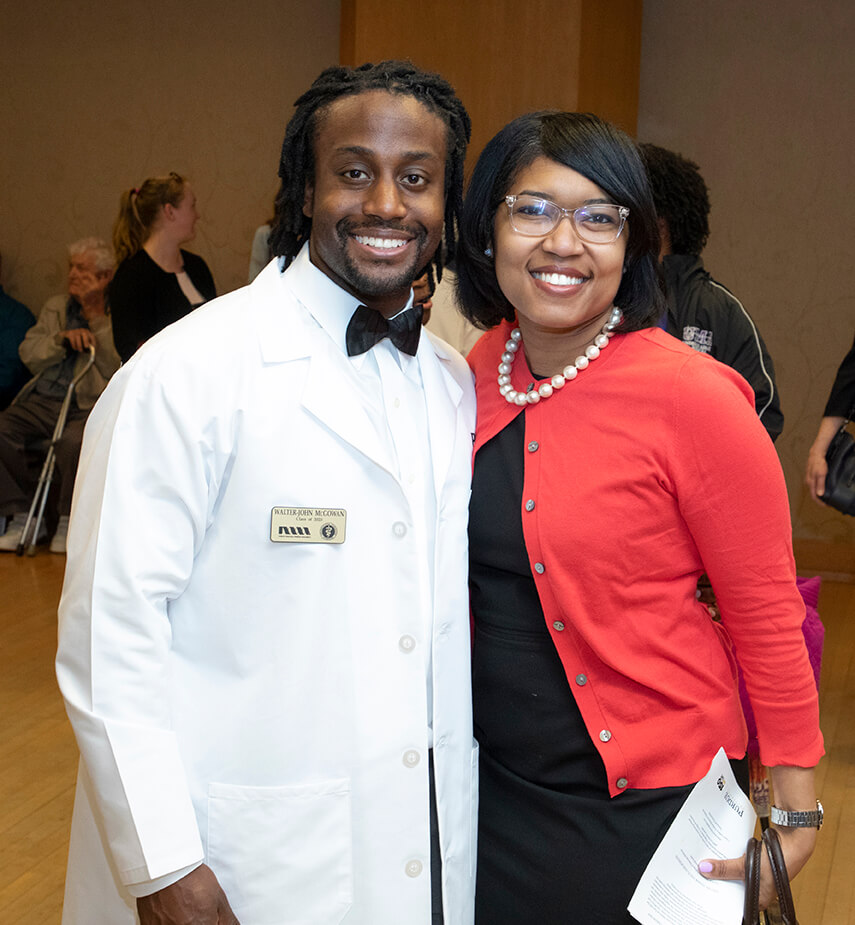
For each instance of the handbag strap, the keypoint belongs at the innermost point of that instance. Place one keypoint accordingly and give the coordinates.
(751, 909)
(781, 878)
(753, 858)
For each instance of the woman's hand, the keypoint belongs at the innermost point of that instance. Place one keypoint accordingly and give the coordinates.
(817, 468)
(797, 845)
(794, 790)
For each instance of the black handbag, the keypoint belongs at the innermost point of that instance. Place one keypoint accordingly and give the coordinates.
(840, 482)
(753, 854)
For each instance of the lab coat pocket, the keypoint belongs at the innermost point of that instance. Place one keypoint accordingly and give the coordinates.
(283, 855)
(473, 809)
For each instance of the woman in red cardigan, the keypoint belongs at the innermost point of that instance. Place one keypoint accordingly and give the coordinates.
(613, 466)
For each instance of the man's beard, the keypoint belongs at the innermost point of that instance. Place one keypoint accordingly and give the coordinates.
(385, 281)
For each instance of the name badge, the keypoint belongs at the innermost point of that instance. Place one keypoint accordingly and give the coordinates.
(308, 525)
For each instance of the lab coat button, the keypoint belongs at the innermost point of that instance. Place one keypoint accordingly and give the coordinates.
(533, 446)
(539, 567)
(441, 741)
(622, 782)
(406, 644)
(581, 680)
(605, 735)
(413, 868)
(399, 529)
(558, 625)
(411, 758)
(529, 505)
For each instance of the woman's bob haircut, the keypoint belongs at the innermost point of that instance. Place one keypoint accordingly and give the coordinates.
(596, 150)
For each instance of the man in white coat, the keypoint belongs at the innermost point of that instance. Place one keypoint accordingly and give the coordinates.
(264, 633)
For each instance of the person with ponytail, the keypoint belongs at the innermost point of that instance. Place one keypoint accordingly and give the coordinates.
(156, 282)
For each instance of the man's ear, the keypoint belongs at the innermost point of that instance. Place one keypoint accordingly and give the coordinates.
(308, 199)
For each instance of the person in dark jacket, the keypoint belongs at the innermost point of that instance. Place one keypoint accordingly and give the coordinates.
(15, 320)
(839, 407)
(701, 311)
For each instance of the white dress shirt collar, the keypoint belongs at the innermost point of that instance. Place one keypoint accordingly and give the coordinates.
(329, 304)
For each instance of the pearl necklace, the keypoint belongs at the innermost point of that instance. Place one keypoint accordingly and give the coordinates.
(548, 386)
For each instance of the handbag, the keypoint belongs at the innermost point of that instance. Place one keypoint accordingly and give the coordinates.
(753, 855)
(840, 481)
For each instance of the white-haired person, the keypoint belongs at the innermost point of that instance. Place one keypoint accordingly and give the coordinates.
(54, 350)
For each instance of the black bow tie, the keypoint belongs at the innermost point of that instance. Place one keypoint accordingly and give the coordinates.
(368, 327)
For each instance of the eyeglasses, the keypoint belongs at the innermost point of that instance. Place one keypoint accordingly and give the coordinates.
(596, 224)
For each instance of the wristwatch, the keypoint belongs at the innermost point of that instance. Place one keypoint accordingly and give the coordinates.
(799, 819)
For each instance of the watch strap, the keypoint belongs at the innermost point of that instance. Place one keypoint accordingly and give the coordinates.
(797, 819)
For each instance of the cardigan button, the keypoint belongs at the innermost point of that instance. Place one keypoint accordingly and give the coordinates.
(622, 782)
(581, 680)
(539, 567)
(533, 446)
(529, 505)
(558, 625)
(605, 735)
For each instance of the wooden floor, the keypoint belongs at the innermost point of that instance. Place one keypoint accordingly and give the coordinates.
(38, 757)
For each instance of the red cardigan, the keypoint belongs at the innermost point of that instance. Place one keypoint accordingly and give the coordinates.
(647, 470)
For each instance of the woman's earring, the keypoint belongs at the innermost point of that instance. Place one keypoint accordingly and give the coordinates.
(488, 251)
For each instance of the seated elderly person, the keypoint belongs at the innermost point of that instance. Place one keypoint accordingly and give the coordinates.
(54, 350)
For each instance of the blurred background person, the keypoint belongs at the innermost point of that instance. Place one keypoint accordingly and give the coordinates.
(840, 406)
(701, 312)
(156, 282)
(54, 350)
(260, 254)
(446, 320)
(15, 321)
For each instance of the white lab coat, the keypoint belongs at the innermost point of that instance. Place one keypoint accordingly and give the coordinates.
(263, 705)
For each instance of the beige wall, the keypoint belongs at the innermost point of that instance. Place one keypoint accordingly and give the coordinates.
(760, 95)
(96, 97)
(505, 57)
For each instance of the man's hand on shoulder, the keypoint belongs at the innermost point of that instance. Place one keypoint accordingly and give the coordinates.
(197, 899)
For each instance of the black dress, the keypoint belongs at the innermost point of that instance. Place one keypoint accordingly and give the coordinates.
(553, 846)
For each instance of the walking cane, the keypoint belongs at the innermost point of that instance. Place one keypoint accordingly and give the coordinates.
(46, 477)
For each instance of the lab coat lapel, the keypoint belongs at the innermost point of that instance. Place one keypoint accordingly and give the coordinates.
(331, 394)
(442, 398)
(331, 390)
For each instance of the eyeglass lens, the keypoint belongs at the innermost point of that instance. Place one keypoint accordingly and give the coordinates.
(596, 223)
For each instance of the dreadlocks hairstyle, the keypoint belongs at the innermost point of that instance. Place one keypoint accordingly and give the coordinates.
(681, 198)
(296, 167)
